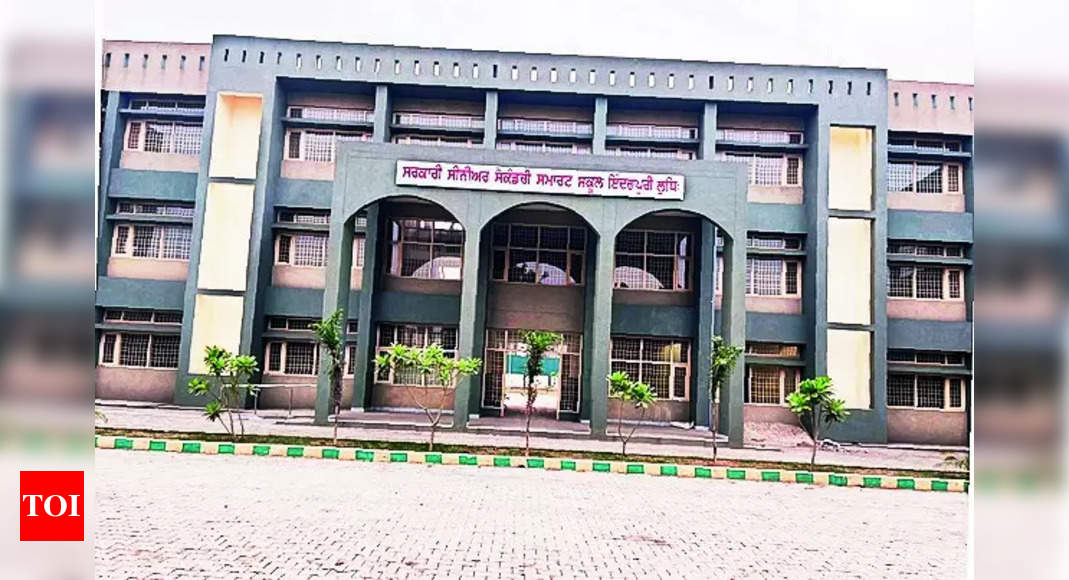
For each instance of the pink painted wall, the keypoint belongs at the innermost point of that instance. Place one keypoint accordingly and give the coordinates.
(400, 397)
(303, 397)
(792, 194)
(733, 121)
(313, 170)
(926, 201)
(659, 411)
(123, 267)
(473, 108)
(927, 426)
(923, 118)
(515, 110)
(132, 159)
(153, 78)
(947, 310)
(130, 384)
(768, 414)
(344, 101)
(556, 308)
(775, 305)
(650, 117)
(286, 276)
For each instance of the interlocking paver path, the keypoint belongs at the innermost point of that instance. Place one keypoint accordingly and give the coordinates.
(195, 516)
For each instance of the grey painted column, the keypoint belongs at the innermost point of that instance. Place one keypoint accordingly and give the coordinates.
(363, 366)
(335, 297)
(707, 143)
(490, 121)
(601, 329)
(110, 152)
(601, 120)
(706, 313)
(383, 114)
(469, 319)
(733, 329)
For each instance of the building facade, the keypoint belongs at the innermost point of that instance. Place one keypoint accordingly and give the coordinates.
(822, 217)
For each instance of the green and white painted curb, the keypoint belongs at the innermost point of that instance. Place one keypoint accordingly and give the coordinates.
(821, 478)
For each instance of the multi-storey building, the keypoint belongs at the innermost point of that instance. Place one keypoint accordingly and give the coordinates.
(822, 217)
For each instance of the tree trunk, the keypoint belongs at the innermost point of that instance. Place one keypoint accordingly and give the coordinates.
(430, 444)
(337, 411)
(816, 439)
(527, 429)
(714, 423)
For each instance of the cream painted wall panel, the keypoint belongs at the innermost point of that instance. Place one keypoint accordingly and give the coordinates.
(224, 249)
(216, 322)
(849, 271)
(236, 136)
(850, 366)
(850, 168)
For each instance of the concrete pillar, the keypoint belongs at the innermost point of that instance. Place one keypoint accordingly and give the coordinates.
(490, 121)
(707, 136)
(601, 119)
(601, 329)
(363, 366)
(470, 322)
(383, 115)
(110, 152)
(733, 329)
(702, 348)
(335, 297)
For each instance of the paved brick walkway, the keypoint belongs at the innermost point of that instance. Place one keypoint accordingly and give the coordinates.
(195, 516)
(188, 419)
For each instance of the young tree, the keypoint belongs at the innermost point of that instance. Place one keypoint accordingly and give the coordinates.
(625, 391)
(438, 371)
(722, 360)
(226, 386)
(815, 402)
(329, 336)
(536, 344)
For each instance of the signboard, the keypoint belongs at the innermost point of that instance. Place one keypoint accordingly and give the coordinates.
(580, 182)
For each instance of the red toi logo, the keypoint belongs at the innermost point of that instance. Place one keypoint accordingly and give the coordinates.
(51, 506)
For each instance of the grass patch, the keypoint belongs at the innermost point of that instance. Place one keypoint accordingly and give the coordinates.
(400, 446)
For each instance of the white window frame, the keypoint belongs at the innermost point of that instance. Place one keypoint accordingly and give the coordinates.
(397, 248)
(117, 350)
(782, 383)
(945, 171)
(143, 130)
(676, 259)
(783, 277)
(508, 247)
(127, 250)
(751, 164)
(437, 141)
(302, 153)
(962, 383)
(948, 273)
(425, 331)
(124, 313)
(674, 366)
(282, 358)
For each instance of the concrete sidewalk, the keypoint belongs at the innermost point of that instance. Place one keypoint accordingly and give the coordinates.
(121, 415)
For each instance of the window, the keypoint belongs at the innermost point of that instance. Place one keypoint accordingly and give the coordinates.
(652, 153)
(160, 242)
(661, 363)
(773, 349)
(925, 392)
(924, 283)
(167, 209)
(770, 385)
(418, 336)
(318, 146)
(302, 249)
(292, 357)
(771, 170)
(924, 357)
(437, 141)
(163, 137)
(650, 260)
(772, 242)
(773, 277)
(765, 136)
(166, 105)
(544, 147)
(920, 177)
(426, 249)
(143, 316)
(303, 217)
(915, 249)
(529, 254)
(332, 114)
(127, 349)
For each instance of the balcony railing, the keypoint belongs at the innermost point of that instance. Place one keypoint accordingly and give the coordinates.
(546, 126)
(438, 120)
(567, 148)
(760, 136)
(332, 114)
(651, 131)
(165, 106)
(648, 153)
(437, 141)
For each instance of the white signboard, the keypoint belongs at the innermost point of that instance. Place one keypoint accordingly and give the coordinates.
(538, 180)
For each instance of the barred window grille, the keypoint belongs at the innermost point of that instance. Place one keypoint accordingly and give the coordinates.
(900, 390)
(922, 177)
(953, 178)
(772, 277)
(900, 282)
(929, 178)
(662, 363)
(133, 350)
(319, 146)
(769, 385)
(534, 254)
(164, 137)
(187, 139)
(304, 217)
(437, 141)
(108, 354)
(143, 316)
(925, 392)
(653, 260)
(274, 356)
(954, 284)
(165, 351)
(927, 283)
(133, 135)
(770, 170)
(137, 350)
(169, 242)
(142, 208)
(900, 176)
(930, 283)
(300, 358)
(794, 171)
(930, 392)
(158, 137)
(426, 249)
(773, 349)
(417, 336)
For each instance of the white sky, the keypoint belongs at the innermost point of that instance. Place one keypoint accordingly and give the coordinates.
(929, 40)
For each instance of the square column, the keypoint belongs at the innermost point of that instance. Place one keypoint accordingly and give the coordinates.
(733, 329)
(490, 121)
(383, 112)
(707, 145)
(706, 318)
(600, 333)
(601, 121)
(472, 320)
(336, 297)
